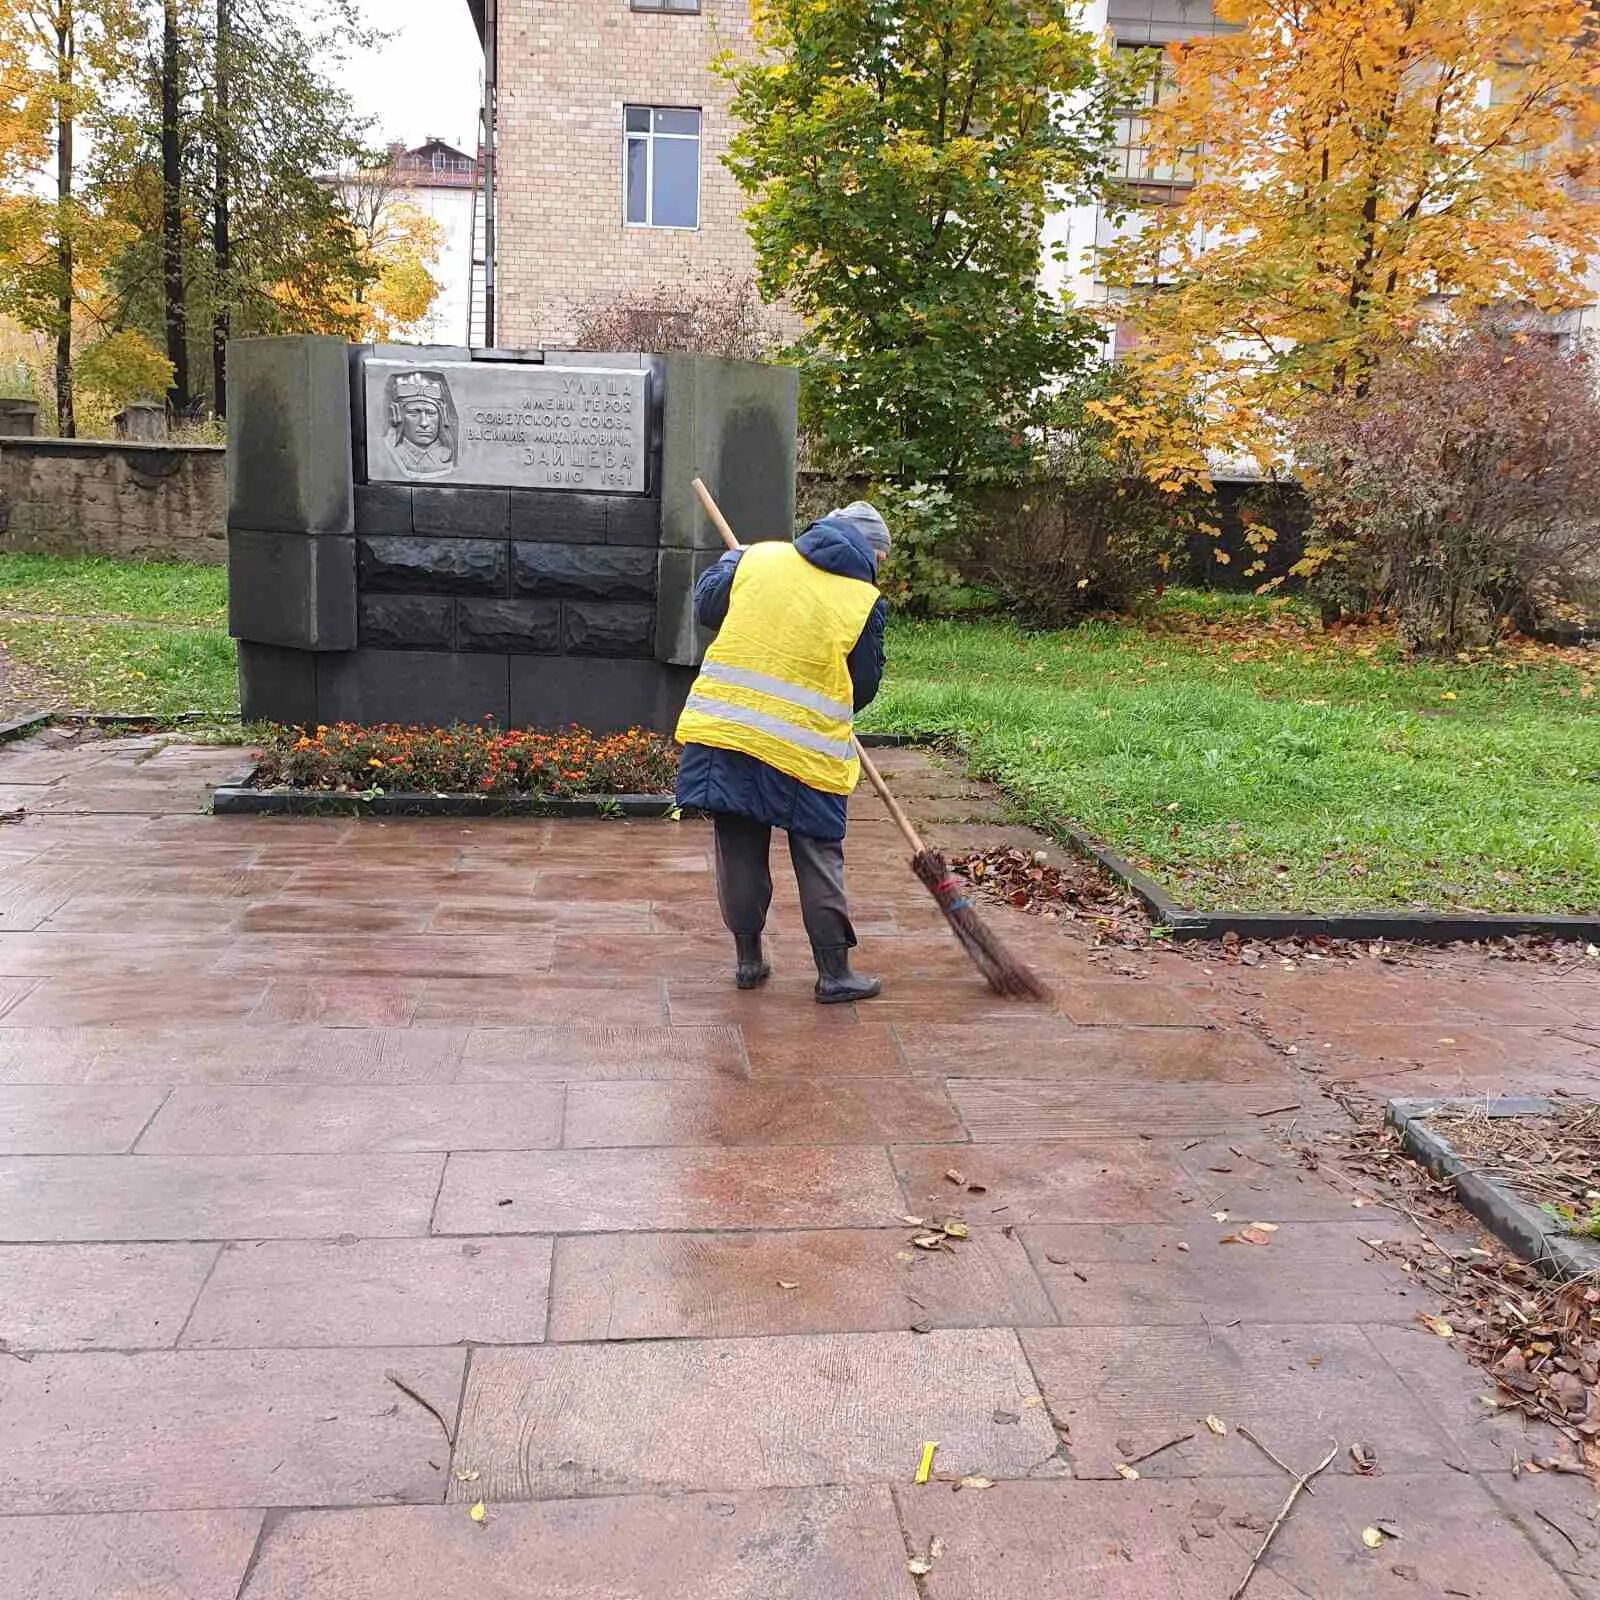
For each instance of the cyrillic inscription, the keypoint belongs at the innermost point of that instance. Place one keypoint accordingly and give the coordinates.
(503, 425)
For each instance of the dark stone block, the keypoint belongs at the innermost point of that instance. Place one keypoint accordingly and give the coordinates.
(277, 685)
(597, 629)
(632, 520)
(552, 691)
(733, 423)
(289, 467)
(679, 638)
(557, 517)
(426, 686)
(516, 627)
(470, 513)
(407, 622)
(433, 566)
(383, 508)
(291, 590)
(584, 572)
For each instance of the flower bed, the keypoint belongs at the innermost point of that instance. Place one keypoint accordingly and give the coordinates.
(463, 760)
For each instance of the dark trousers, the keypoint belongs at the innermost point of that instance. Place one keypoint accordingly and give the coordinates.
(744, 880)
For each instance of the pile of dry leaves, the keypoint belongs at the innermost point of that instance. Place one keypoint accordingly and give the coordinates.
(1539, 1341)
(1076, 891)
(1550, 1161)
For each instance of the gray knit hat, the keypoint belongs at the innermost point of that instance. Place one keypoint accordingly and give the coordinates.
(867, 522)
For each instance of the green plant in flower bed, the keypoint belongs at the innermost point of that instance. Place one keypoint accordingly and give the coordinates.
(466, 760)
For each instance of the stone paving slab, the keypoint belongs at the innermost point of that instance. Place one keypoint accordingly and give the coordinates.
(730, 1112)
(516, 1055)
(732, 1414)
(153, 998)
(315, 1119)
(1106, 1180)
(545, 1002)
(98, 1296)
(1138, 1276)
(214, 1197)
(805, 1544)
(996, 1109)
(1169, 1541)
(54, 1121)
(606, 1191)
(709, 1285)
(172, 1055)
(211, 1430)
(1057, 1050)
(152, 1555)
(1122, 1391)
(377, 1292)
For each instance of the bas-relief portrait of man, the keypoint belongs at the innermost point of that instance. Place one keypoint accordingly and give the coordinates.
(422, 436)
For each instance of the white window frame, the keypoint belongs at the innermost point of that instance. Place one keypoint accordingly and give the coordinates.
(650, 137)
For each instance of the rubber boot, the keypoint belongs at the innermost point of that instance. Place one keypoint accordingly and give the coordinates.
(837, 985)
(753, 970)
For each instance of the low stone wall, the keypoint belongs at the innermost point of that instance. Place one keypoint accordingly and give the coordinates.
(138, 502)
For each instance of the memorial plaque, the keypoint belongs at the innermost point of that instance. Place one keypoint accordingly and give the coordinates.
(504, 425)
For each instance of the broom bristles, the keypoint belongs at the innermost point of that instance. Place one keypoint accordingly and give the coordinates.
(1001, 970)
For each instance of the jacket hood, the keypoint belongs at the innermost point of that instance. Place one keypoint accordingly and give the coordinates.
(835, 546)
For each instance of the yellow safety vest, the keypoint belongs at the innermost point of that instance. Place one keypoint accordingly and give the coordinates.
(774, 684)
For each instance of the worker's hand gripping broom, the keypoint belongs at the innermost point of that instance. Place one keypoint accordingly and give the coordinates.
(1001, 970)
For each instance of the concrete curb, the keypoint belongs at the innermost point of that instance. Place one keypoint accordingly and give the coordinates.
(1525, 1228)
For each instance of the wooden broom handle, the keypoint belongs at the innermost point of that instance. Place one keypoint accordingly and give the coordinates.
(874, 777)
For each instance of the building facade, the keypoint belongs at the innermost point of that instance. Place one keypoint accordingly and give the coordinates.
(611, 124)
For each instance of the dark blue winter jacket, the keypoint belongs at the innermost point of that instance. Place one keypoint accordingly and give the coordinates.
(729, 780)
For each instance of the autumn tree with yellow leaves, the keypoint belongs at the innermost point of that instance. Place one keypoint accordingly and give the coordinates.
(1359, 167)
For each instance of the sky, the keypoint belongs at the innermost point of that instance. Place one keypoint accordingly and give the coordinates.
(425, 81)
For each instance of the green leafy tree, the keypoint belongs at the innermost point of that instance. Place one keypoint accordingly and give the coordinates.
(261, 239)
(900, 155)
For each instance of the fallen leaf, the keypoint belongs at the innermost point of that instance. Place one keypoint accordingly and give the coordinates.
(785, 1283)
(976, 1481)
(977, 1188)
(954, 1229)
(1125, 1471)
(919, 1566)
(904, 1255)
(925, 1465)
(1436, 1325)
(1033, 1400)
(1219, 1216)
(955, 1175)
(1265, 1227)
(1371, 1538)
(915, 1222)
(929, 1241)
(922, 1327)
(1217, 1426)
(935, 1547)
(467, 1477)
(1183, 1247)
(479, 1514)
(1365, 1462)
(1388, 1530)
(1006, 1416)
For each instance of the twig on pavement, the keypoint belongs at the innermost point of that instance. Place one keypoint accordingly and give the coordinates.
(1300, 1484)
(1275, 1459)
(1133, 1461)
(426, 1404)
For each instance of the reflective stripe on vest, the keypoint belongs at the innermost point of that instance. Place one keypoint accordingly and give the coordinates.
(775, 684)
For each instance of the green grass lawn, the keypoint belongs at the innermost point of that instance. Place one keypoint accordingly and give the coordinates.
(1251, 762)
(98, 635)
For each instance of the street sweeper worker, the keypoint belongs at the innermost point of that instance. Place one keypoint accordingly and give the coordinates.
(766, 731)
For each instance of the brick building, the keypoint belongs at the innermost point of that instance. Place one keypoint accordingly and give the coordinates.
(610, 129)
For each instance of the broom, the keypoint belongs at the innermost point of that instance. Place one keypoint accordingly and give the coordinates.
(1004, 974)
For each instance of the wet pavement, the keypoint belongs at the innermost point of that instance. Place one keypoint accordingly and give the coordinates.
(353, 1174)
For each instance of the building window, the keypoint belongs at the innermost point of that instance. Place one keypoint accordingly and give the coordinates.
(666, 5)
(1136, 161)
(661, 166)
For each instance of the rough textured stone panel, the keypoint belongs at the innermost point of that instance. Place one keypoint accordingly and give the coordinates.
(517, 627)
(557, 518)
(584, 572)
(608, 630)
(433, 566)
(407, 622)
